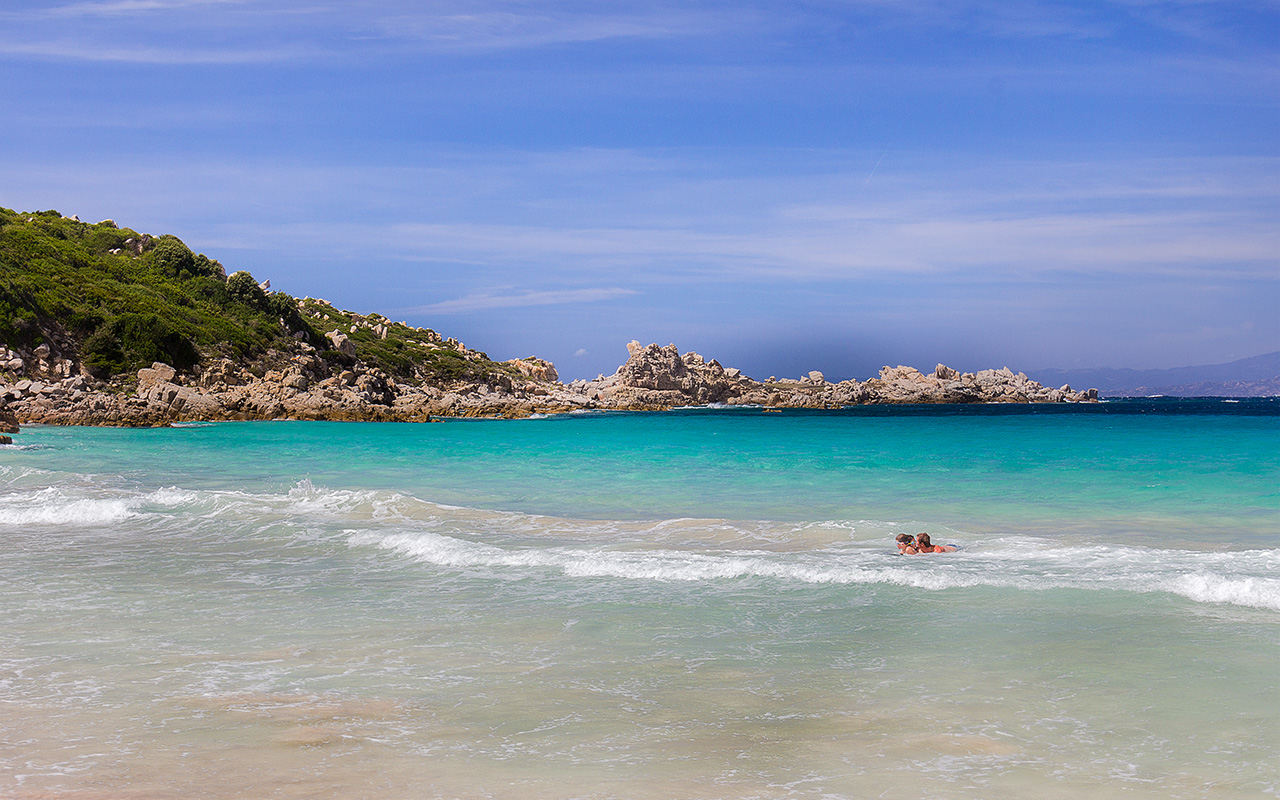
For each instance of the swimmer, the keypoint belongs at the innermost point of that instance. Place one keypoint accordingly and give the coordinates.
(923, 545)
(906, 545)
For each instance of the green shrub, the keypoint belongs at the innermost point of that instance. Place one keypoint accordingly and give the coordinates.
(102, 240)
(172, 258)
(282, 305)
(244, 289)
(209, 289)
(146, 337)
(209, 267)
(16, 323)
(101, 353)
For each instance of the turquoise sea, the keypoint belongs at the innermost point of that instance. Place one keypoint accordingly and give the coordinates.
(696, 604)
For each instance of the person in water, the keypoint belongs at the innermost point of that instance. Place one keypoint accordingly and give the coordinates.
(907, 545)
(923, 545)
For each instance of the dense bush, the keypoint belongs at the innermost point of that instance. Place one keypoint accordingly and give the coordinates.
(172, 258)
(244, 289)
(282, 305)
(17, 323)
(103, 240)
(203, 265)
(146, 338)
(101, 353)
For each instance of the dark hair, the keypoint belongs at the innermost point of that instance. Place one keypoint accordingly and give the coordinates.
(923, 538)
(903, 537)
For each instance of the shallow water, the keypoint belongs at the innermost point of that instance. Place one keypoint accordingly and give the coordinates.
(694, 604)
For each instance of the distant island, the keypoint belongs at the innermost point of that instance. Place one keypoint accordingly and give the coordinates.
(102, 325)
(1258, 376)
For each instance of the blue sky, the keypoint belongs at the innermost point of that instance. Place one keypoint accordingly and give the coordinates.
(783, 186)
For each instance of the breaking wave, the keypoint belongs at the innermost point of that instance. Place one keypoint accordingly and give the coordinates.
(504, 543)
(1238, 578)
(55, 505)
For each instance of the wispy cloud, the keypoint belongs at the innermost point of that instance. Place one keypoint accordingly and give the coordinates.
(119, 8)
(96, 51)
(217, 32)
(671, 242)
(163, 33)
(1029, 19)
(712, 40)
(577, 218)
(524, 26)
(988, 248)
(484, 301)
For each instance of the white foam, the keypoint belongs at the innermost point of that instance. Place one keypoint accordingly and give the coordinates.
(52, 506)
(1206, 587)
(684, 550)
(10, 475)
(1240, 578)
(170, 497)
(82, 507)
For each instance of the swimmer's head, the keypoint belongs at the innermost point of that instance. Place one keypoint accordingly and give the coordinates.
(904, 538)
(923, 538)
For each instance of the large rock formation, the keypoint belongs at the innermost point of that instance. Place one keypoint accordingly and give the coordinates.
(536, 368)
(656, 377)
(659, 377)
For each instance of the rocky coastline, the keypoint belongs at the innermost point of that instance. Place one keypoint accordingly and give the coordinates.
(298, 381)
(102, 325)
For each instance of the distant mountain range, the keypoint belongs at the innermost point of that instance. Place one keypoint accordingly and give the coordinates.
(1249, 377)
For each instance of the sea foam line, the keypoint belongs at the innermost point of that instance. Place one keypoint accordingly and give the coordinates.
(1201, 577)
(55, 505)
(1024, 563)
(80, 502)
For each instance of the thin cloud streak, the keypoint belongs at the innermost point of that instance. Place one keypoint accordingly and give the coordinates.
(504, 30)
(658, 225)
(483, 302)
(976, 248)
(231, 33)
(119, 8)
(183, 31)
(880, 239)
(79, 51)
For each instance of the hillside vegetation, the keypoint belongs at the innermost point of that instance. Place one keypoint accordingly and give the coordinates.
(114, 300)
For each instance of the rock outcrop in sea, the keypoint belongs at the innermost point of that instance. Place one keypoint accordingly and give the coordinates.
(304, 383)
(660, 377)
(8, 424)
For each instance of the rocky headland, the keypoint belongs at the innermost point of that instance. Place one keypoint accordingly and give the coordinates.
(101, 325)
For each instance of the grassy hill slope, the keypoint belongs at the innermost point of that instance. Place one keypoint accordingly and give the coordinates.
(112, 300)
